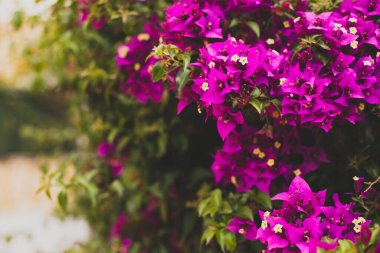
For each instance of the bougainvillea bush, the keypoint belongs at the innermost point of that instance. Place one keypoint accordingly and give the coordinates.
(209, 126)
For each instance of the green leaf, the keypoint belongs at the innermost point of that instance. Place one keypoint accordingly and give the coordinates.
(245, 213)
(112, 135)
(375, 234)
(207, 235)
(323, 45)
(277, 104)
(254, 27)
(17, 19)
(182, 78)
(90, 189)
(158, 71)
(234, 22)
(263, 199)
(62, 199)
(117, 187)
(256, 93)
(226, 240)
(259, 105)
(225, 208)
(216, 198)
(344, 246)
(186, 60)
(202, 207)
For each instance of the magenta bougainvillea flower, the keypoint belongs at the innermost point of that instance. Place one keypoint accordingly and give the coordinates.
(244, 227)
(304, 222)
(314, 92)
(131, 59)
(85, 12)
(117, 234)
(107, 151)
(251, 158)
(193, 21)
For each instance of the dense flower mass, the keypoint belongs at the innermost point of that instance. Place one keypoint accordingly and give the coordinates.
(303, 223)
(193, 21)
(107, 152)
(131, 59)
(251, 158)
(85, 10)
(277, 78)
(321, 67)
(314, 91)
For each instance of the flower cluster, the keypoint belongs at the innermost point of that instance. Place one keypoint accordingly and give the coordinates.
(131, 59)
(107, 152)
(123, 244)
(303, 223)
(321, 67)
(85, 13)
(193, 21)
(315, 89)
(226, 80)
(319, 92)
(252, 158)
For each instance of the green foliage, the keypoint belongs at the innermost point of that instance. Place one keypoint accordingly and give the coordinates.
(218, 212)
(165, 157)
(173, 59)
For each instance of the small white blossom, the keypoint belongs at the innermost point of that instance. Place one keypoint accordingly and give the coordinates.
(235, 58)
(354, 44)
(358, 228)
(337, 26)
(264, 224)
(243, 60)
(353, 20)
(205, 86)
(353, 30)
(270, 41)
(277, 228)
(367, 63)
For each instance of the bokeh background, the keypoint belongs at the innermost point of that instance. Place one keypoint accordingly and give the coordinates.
(31, 130)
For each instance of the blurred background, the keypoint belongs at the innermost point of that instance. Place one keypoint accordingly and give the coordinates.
(31, 130)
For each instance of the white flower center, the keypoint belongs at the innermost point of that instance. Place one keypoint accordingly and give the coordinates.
(277, 228)
(354, 44)
(143, 37)
(235, 58)
(343, 30)
(270, 41)
(243, 60)
(205, 86)
(358, 228)
(353, 30)
(337, 26)
(353, 20)
(264, 224)
(123, 51)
